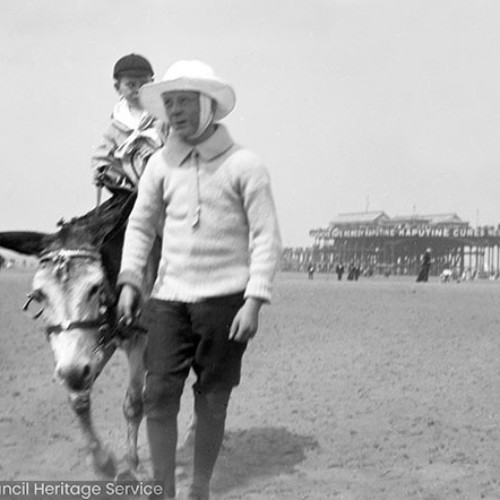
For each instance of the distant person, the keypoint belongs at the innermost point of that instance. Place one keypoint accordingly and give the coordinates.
(351, 272)
(339, 269)
(133, 135)
(310, 271)
(425, 267)
(357, 272)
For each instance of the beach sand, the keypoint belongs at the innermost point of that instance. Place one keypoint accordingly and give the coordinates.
(381, 389)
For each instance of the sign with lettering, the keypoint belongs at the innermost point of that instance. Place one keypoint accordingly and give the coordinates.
(407, 232)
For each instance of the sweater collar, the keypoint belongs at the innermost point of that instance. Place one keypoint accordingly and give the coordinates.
(176, 151)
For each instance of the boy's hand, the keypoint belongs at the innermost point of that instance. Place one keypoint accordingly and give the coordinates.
(246, 321)
(112, 177)
(128, 305)
(99, 176)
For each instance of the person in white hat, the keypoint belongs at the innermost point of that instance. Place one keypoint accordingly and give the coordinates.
(221, 248)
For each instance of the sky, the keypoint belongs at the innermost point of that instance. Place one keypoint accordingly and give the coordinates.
(353, 105)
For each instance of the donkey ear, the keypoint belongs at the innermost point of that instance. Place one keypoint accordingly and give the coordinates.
(25, 242)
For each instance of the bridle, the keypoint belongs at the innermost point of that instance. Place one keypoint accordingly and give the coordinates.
(60, 259)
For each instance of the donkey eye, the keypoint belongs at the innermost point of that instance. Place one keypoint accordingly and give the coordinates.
(38, 295)
(94, 290)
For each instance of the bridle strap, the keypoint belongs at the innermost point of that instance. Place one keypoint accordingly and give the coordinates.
(26, 306)
(73, 325)
(98, 202)
(108, 332)
(56, 256)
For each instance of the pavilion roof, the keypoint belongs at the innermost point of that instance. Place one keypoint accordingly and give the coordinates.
(433, 219)
(360, 218)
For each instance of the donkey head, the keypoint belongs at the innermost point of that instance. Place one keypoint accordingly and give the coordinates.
(72, 287)
(73, 290)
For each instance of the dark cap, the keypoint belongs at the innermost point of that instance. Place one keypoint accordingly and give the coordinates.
(132, 65)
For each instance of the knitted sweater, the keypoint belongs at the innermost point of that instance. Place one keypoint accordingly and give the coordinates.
(220, 230)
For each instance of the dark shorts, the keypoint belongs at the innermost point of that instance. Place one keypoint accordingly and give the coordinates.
(182, 336)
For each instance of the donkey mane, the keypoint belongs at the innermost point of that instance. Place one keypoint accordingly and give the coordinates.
(96, 227)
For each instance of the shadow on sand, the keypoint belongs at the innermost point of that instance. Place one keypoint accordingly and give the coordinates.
(258, 453)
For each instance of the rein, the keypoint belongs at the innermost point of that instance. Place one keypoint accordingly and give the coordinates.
(73, 325)
(98, 202)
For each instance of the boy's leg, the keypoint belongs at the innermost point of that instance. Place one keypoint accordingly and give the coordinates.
(167, 359)
(217, 364)
(162, 438)
(211, 410)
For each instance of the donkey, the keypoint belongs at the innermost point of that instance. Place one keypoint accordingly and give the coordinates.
(75, 288)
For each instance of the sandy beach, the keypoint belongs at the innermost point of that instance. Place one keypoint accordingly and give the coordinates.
(381, 389)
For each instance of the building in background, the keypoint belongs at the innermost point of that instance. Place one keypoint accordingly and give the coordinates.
(379, 244)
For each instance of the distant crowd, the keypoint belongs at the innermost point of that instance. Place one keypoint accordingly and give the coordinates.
(9, 263)
(354, 270)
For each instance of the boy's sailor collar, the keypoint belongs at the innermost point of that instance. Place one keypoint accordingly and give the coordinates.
(176, 151)
(124, 120)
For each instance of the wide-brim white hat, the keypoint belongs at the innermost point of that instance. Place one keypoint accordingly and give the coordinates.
(196, 76)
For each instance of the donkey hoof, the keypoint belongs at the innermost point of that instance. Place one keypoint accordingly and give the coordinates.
(127, 469)
(126, 476)
(104, 463)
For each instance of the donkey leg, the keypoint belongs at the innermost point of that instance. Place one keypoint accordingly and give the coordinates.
(188, 441)
(103, 460)
(185, 449)
(133, 405)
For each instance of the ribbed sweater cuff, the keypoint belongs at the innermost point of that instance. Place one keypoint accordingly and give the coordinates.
(260, 288)
(130, 278)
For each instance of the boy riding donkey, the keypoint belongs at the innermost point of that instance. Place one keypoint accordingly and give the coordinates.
(133, 135)
(119, 160)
